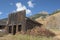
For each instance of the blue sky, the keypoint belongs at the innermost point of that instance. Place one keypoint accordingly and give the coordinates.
(32, 6)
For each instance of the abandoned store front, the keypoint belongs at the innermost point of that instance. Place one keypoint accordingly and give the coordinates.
(17, 22)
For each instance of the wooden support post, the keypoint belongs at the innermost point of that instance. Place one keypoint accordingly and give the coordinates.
(16, 28)
(12, 29)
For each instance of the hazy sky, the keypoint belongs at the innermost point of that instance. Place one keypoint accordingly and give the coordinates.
(32, 6)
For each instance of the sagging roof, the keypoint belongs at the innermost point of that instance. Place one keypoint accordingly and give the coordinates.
(33, 21)
(4, 21)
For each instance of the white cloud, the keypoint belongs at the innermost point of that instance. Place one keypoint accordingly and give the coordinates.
(21, 7)
(0, 13)
(30, 4)
(28, 11)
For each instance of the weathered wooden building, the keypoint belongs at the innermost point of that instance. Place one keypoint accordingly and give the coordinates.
(17, 22)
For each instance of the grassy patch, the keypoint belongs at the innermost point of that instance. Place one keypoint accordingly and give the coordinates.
(25, 37)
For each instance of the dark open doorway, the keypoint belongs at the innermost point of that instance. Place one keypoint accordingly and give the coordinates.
(14, 29)
(19, 27)
(10, 29)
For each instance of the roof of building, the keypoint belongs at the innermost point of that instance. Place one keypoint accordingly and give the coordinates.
(33, 21)
(4, 21)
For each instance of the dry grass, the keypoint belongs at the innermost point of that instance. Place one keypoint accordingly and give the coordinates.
(24, 37)
(40, 31)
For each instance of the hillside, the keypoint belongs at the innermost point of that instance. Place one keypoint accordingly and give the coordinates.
(52, 22)
(43, 14)
(3, 21)
(40, 14)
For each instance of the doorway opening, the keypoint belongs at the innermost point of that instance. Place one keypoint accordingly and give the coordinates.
(14, 29)
(19, 27)
(10, 29)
